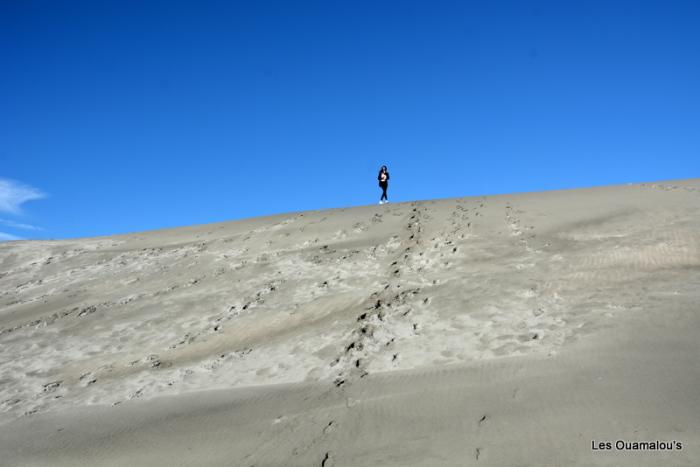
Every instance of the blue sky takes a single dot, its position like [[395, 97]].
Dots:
[[125, 116]]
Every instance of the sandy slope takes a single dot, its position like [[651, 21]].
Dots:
[[504, 330]]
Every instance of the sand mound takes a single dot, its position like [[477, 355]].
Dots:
[[503, 330]]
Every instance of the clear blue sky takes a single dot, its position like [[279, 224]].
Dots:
[[120, 116]]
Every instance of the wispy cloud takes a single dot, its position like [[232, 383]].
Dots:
[[18, 225], [6, 237], [13, 194]]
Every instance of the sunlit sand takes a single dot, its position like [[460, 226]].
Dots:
[[498, 330]]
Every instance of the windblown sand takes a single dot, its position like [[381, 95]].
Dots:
[[500, 330]]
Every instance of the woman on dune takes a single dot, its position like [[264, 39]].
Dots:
[[383, 178]]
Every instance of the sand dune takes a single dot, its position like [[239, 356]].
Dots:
[[500, 330]]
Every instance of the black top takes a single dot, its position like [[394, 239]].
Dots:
[[379, 177]]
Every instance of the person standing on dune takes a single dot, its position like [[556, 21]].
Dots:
[[383, 178]]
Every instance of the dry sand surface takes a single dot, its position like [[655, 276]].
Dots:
[[500, 330]]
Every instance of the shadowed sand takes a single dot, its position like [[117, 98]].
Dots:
[[500, 330]]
